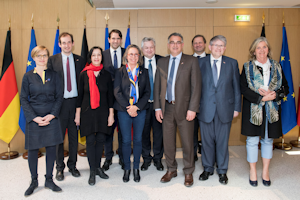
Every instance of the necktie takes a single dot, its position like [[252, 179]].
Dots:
[[215, 72], [150, 71], [69, 86], [115, 60], [198, 58], [170, 82]]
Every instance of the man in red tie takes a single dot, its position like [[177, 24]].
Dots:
[[68, 66]]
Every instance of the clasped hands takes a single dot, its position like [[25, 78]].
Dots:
[[267, 95], [132, 110], [44, 121]]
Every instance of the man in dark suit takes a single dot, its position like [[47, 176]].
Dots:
[[177, 92], [150, 60], [69, 66], [199, 45], [112, 60], [220, 103]]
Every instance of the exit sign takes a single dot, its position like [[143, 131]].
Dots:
[[242, 18]]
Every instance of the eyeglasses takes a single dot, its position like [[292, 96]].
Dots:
[[133, 55], [41, 56], [173, 43], [218, 46]]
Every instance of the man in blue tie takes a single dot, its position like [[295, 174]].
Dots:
[[112, 60], [150, 61], [220, 103], [177, 91]]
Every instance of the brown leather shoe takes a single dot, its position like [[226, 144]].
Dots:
[[168, 176], [188, 181]]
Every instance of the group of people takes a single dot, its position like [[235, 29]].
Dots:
[[136, 90]]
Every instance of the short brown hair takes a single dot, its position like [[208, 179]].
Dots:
[[64, 34], [125, 61], [115, 31], [38, 49]]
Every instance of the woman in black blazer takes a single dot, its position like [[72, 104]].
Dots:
[[41, 99], [94, 112], [132, 92]]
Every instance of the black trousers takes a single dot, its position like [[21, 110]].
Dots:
[[67, 116], [94, 149], [109, 153], [158, 149], [33, 161], [196, 129]]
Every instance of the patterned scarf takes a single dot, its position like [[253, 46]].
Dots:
[[255, 80], [94, 91], [133, 79]]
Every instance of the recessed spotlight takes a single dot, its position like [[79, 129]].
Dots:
[[211, 1]]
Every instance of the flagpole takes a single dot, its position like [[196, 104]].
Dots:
[[296, 143], [82, 152], [9, 154], [282, 145], [25, 155]]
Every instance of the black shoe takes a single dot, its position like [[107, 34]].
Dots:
[[121, 163], [100, 172], [223, 179], [92, 179], [49, 184], [195, 158], [266, 183], [145, 166], [106, 165], [253, 183], [136, 175], [126, 176], [205, 175], [74, 172], [33, 185], [59, 175], [159, 166]]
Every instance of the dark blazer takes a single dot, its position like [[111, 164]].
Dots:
[[225, 98], [55, 63], [107, 62], [249, 96], [91, 119], [122, 89], [187, 85]]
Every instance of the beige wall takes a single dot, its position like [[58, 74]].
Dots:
[[155, 23]]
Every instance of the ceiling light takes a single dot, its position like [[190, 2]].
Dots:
[[211, 1]]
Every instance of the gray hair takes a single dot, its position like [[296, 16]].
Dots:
[[218, 37], [147, 39], [253, 46], [175, 34]]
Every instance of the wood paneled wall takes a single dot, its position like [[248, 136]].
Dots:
[[155, 23]]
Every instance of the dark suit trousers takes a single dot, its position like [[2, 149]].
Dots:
[[186, 131], [157, 137], [66, 117], [108, 147], [214, 137], [196, 135]]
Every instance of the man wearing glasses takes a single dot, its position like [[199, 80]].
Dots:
[[220, 103], [177, 91]]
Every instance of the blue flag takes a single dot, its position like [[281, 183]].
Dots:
[[288, 108], [106, 39], [56, 48], [127, 41], [30, 65]]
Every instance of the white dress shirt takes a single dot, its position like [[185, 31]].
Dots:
[[201, 56], [153, 63], [119, 56], [218, 63], [73, 92]]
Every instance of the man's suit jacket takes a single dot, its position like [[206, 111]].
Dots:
[[55, 63], [187, 85], [108, 64], [122, 89], [157, 57], [225, 98]]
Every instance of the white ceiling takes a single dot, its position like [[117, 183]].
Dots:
[[178, 4]]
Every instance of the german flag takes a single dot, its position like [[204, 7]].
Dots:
[[9, 96]]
